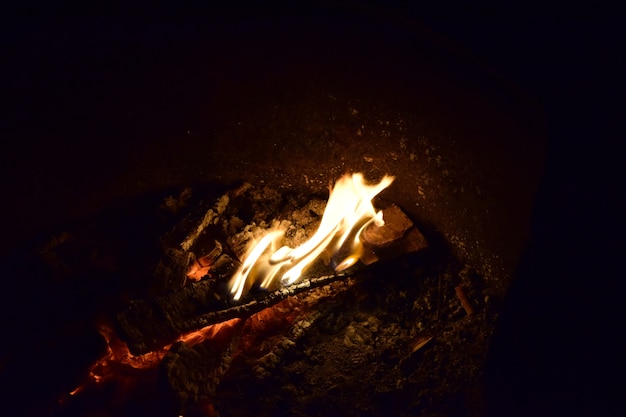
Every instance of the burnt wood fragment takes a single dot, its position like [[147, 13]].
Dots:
[[192, 240], [171, 271], [397, 236], [146, 325], [192, 373], [465, 302]]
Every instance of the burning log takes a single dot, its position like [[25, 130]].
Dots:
[[147, 325], [265, 301], [197, 370], [190, 247], [349, 224], [397, 236], [269, 362]]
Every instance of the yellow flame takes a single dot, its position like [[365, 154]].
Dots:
[[348, 212]]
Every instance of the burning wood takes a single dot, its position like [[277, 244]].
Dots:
[[147, 325], [200, 324], [194, 372], [151, 324], [396, 236], [342, 320], [190, 249], [201, 267], [358, 233], [203, 365]]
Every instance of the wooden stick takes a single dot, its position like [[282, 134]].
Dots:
[[150, 324], [421, 341], [147, 325], [465, 302], [260, 303]]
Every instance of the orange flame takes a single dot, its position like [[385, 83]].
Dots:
[[348, 212]]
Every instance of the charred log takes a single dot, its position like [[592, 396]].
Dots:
[[397, 236], [261, 302], [147, 325], [150, 324]]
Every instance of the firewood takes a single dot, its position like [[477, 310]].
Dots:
[[199, 368], [397, 236], [147, 325], [395, 226], [153, 323], [263, 302], [190, 244], [465, 302]]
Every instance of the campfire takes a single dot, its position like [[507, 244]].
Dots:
[[348, 213], [216, 280], [306, 300]]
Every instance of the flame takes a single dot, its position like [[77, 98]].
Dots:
[[348, 212]]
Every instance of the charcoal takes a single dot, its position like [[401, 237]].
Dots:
[[192, 373], [397, 236], [147, 325]]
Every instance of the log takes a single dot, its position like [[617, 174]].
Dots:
[[263, 302], [147, 325], [397, 236], [396, 225], [189, 241]]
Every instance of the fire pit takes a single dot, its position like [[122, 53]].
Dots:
[[400, 328]]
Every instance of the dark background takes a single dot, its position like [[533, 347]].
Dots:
[[559, 347]]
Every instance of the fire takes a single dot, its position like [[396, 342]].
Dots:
[[210, 332], [118, 363], [348, 212]]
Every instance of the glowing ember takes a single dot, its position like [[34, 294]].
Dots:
[[348, 212], [201, 267], [120, 366], [210, 332]]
